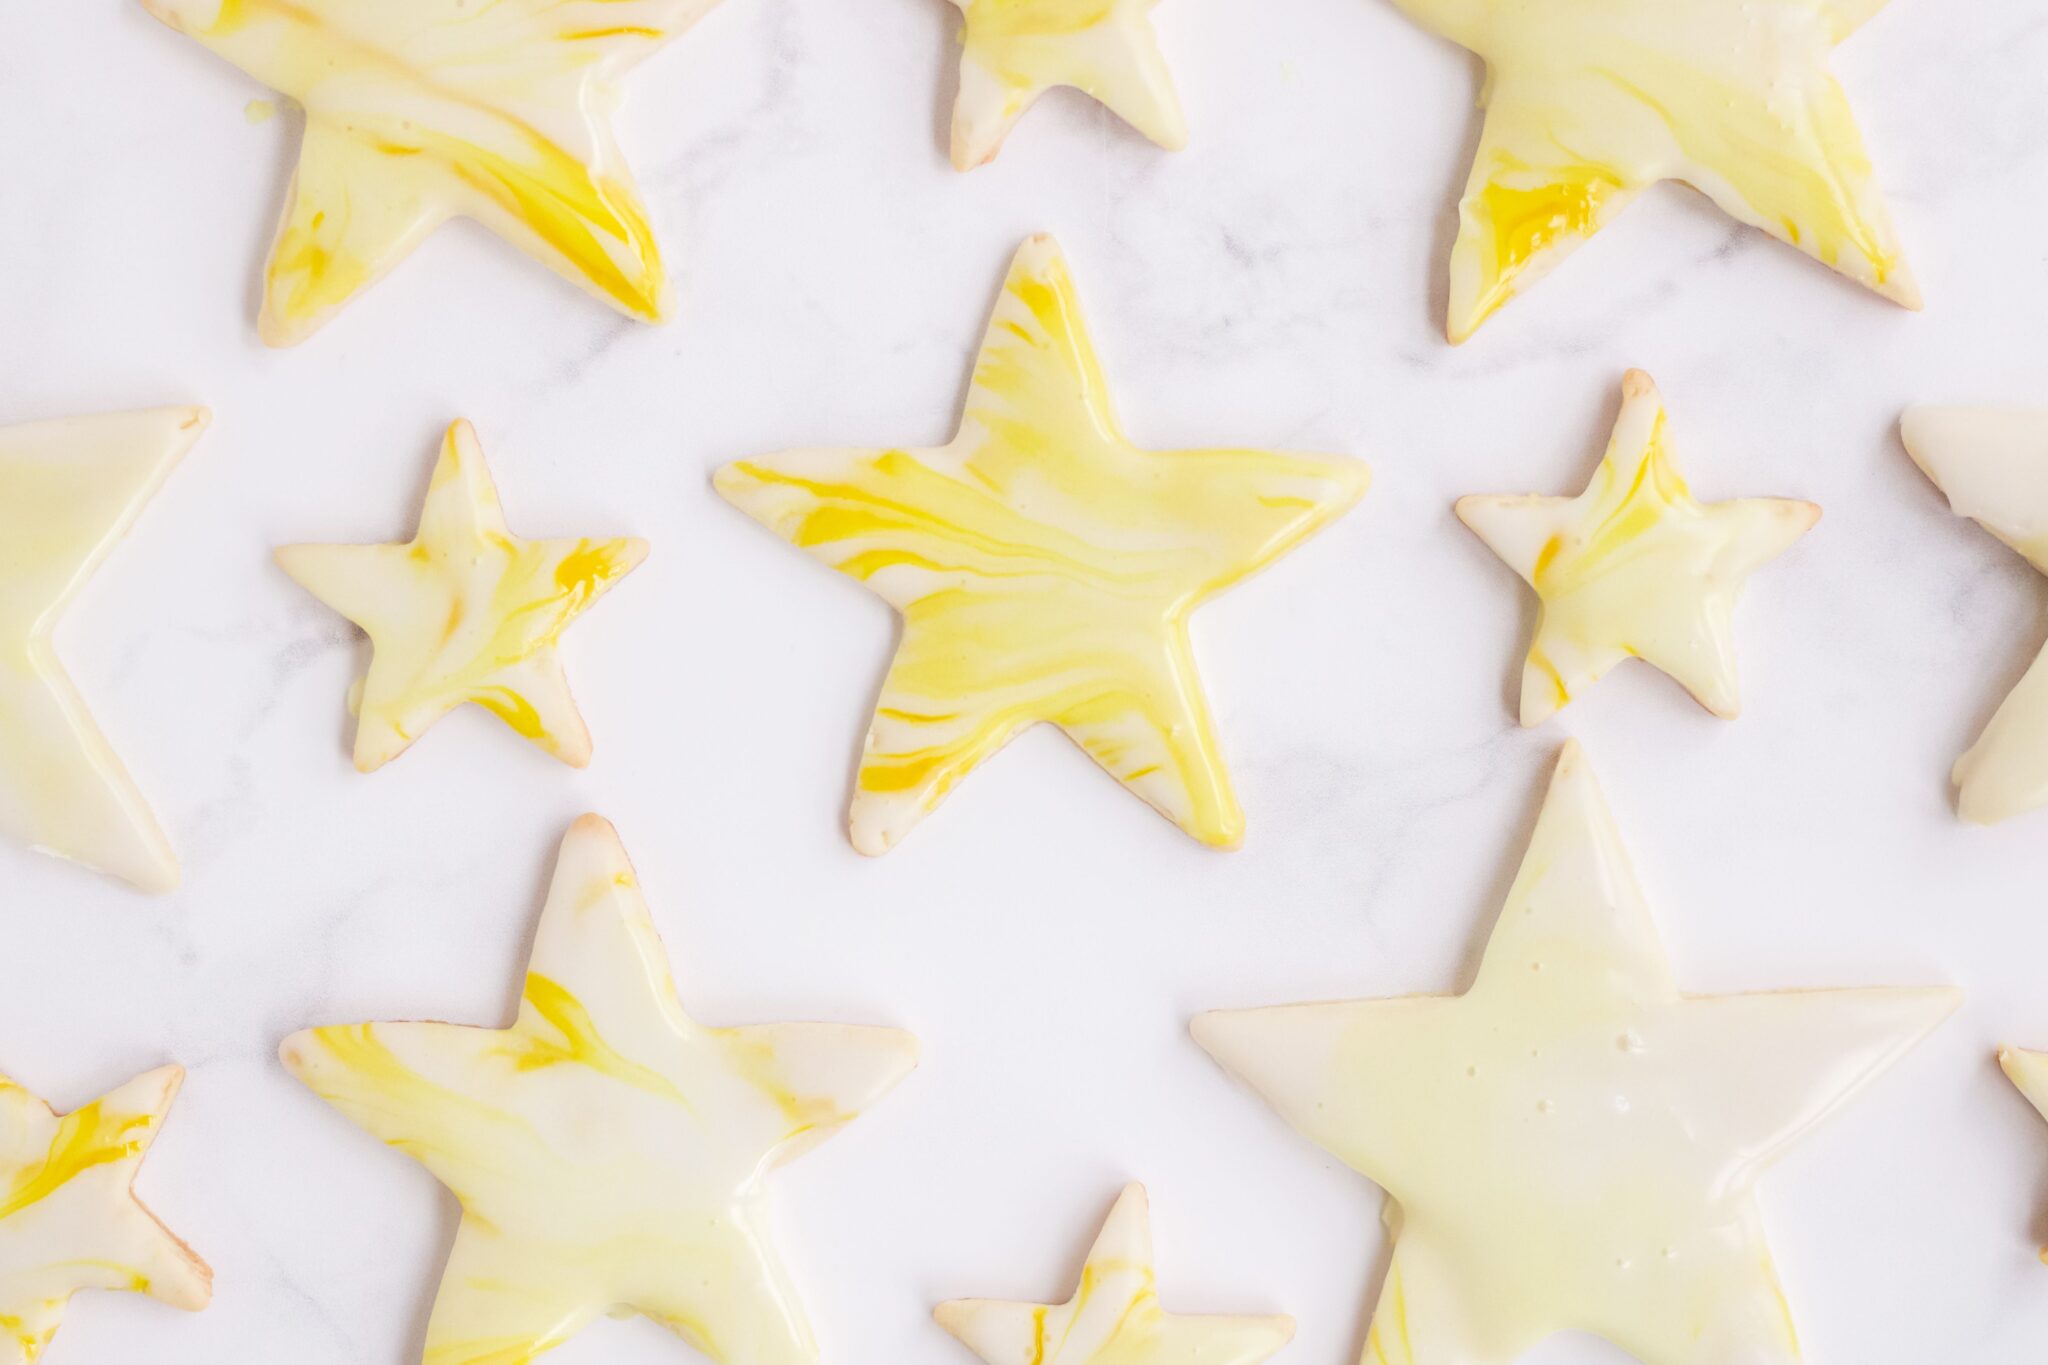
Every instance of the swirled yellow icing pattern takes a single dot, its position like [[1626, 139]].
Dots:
[[1114, 1317], [418, 111], [69, 490], [1634, 567], [69, 1218], [1572, 1143], [463, 612], [1992, 463], [608, 1151], [1589, 102], [1045, 569], [1013, 51]]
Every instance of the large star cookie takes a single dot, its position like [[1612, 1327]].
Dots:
[[463, 612], [69, 490], [1045, 569], [69, 1218], [1114, 1317], [1589, 102], [1013, 51], [1634, 567], [608, 1150], [1993, 466], [418, 111], [1572, 1143]]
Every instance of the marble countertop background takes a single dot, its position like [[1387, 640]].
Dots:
[[1046, 936]]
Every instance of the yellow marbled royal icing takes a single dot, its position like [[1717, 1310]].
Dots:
[[418, 111], [1992, 463], [1045, 569], [608, 1151], [1588, 102], [1013, 51], [1634, 567], [1114, 1317], [69, 1218], [69, 490], [1572, 1143], [464, 612]]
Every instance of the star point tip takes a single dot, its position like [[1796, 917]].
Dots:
[[1638, 384]]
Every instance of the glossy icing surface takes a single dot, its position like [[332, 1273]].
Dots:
[[418, 111], [1588, 102], [463, 612], [69, 490], [69, 1218], [1013, 51], [1992, 464], [1114, 1317], [1045, 569], [608, 1151], [1572, 1143], [1635, 566]]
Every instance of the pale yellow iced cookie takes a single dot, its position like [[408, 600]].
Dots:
[[463, 612], [1635, 567], [1572, 1143], [1045, 569], [69, 490], [69, 1218], [2029, 1072], [1013, 51], [1114, 1317], [418, 111], [1992, 463], [1589, 102], [608, 1150]]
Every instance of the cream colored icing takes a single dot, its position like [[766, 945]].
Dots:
[[418, 111], [1572, 1143], [1045, 569], [1013, 51], [2029, 1072], [1114, 1317], [69, 490], [69, 1218], [1588, 102], [608, 1151], [1992, 464], [1634, 567], [464, 612]]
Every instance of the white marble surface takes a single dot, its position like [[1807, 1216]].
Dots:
[[1045, 935]]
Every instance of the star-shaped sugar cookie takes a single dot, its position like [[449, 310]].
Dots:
[[1589, 102], [1634, 567], [1114, 1317], [608, 1150], [1992, 463], [69, 490], [1045, 569], [2028, 1071], [418, 111], [1572, 1143], [1013, 51], [463, 612], [69, 1218]]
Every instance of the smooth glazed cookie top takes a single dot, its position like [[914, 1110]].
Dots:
[[418, 111], [1572, 1142], [1045, 569], [607, 1149], [1635, 567], [69, 490], [464, 612]]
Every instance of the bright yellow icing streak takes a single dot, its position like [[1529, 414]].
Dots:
[[1634, 567], [606, 1150], [421, 111], [1115, 1317], [1572, 1144], [464, 612], [1045, 569]]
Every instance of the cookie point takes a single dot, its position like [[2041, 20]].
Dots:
[[1638, 384]]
